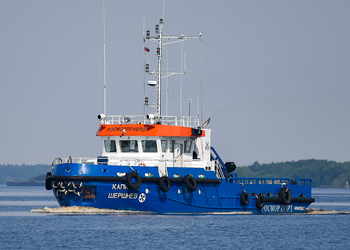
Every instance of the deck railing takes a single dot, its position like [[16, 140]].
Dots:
[[187, 121], [86, 160], [271, 181]]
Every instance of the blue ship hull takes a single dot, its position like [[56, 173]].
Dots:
[[99, 186]]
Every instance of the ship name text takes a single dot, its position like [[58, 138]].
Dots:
[[122, 196], [119, 187], [278, 209]]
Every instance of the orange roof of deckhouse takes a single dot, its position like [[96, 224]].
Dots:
[[146, 130]]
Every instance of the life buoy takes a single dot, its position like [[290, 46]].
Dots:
[[142, 164], [190, 183], [164, 183], [244, 198], [48, 183], [133, 180], [260, 202], [285, 195]]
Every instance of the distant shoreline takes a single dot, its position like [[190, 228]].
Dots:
[[25, 183]]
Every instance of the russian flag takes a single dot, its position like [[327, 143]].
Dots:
[[146, 49]]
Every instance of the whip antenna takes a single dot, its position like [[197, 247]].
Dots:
[[104, 60]]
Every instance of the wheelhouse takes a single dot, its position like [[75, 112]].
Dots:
[[158, 145]]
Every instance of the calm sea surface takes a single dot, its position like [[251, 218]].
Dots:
[[21, 229]]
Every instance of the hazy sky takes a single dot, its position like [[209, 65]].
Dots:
[[275, 75]]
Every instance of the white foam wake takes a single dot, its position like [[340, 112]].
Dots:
[[83, 210], [321, 211], [92, 210]]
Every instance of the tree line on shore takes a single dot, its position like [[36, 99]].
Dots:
[[322, 172], [23, 172]]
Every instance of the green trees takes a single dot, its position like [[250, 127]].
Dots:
[[21, 173], [322, 172]]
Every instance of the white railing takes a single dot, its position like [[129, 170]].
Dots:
[[187, 121], [85, 160], [218, 165]]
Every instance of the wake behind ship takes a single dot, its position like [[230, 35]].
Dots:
[[166, 164]]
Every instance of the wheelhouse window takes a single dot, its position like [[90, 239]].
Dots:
[[171, 146], [110, 146], [188, 146], [129, 146], [149, 146], [164, 145]]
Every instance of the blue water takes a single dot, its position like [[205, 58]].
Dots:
[[20, 229]]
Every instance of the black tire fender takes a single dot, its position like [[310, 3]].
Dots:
[[244, 198], [129, 180], [285, 195], [260, 202], [164, 183], [48, 183], [190, 183]]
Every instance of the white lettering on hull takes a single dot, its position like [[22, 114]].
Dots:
[[278, 209], [133, 196], [119, 187], [122, 196]]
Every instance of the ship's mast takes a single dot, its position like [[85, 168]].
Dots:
[[159, 54], [158, 39]]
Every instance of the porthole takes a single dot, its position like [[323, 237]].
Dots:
[[200, 191], [147, 190], [179, 191]]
